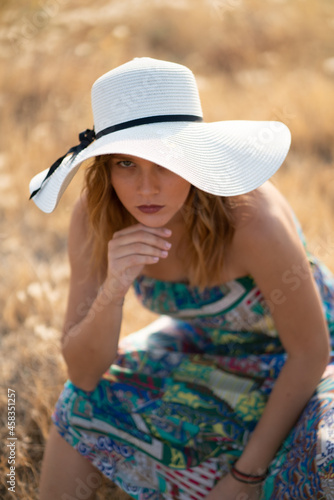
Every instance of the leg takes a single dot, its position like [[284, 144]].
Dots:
[[66, 475], [303, 468], [165, 333], [147, 349]]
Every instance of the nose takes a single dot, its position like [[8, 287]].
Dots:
[[148, 183]]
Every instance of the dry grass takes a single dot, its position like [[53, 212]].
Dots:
[[254, 59]]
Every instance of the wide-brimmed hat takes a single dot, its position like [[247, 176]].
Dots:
[[151, 109]]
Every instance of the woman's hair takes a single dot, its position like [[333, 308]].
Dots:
[[208, 219]]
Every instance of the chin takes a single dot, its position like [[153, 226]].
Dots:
[[153, 221]]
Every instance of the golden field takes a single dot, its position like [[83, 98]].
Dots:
[[253, 59]]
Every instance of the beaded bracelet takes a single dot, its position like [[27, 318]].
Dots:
[[247, 478]]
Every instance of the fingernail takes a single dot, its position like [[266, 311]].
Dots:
[[168, 231], [164, 254], [167, 245]]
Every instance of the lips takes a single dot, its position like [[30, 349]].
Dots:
[[150, 209]]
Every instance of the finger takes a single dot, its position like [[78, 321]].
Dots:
[[136, 260], [159, 231], [137, 248], [140, 236]]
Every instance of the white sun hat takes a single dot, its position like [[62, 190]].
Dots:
[[151, 109]]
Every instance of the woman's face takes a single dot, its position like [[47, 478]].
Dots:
[[151, 194]]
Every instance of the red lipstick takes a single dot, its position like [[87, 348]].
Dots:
[[150, 209]]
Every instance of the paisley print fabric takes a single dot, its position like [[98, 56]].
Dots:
[[184, 394]]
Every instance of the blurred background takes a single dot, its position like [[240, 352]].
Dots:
[[253, 59]]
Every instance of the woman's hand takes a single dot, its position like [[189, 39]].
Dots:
[[229, 488], [129, 251]]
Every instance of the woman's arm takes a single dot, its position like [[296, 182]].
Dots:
[[88, 324], [94, 314], [271, 251]]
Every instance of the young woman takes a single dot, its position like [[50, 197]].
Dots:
[[230, 394]]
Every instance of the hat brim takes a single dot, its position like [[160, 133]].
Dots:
[[222, 158]]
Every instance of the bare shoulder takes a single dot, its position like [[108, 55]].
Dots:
[[80, 248], [262, 212], [79, 229], [265, 228], [83, 284], [268, 246]]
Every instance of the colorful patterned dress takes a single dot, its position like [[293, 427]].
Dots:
[[175, 410]]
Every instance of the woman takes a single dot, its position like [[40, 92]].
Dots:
[[229, 395]]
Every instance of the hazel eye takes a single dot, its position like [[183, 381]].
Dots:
[[126, 163]]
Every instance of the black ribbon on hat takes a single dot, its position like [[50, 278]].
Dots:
[[147, 120], [85, 138], [88, 136]]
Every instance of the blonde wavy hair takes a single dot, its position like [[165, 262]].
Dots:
[[208, 218]]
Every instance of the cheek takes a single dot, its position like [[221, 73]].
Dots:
[[119, 185], [181, 193]]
